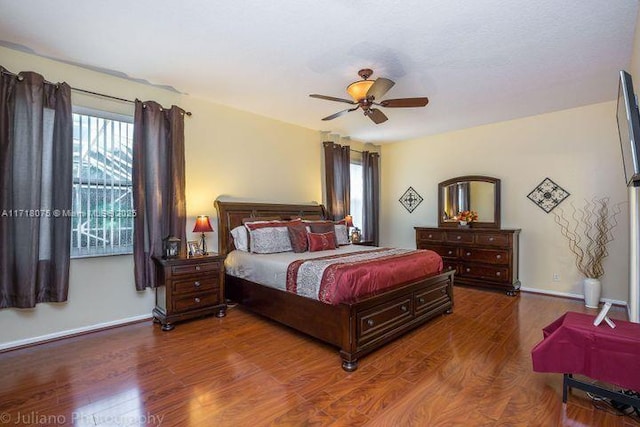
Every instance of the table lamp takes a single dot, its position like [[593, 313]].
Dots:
[[203, 226]]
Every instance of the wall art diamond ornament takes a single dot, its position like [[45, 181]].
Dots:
[[410, 199], [547, 195]]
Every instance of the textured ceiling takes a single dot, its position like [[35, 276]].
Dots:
[[478, 61]]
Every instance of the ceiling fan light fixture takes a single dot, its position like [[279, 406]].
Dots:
[[358, 90]]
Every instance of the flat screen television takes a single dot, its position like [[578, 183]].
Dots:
[[629, 129]]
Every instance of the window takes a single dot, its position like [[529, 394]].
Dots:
[[356, 176], [102, 220]]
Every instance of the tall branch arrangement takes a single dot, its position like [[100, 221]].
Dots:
[[588, 231]]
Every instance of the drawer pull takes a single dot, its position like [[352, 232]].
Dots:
[[468, 253], [196, 284], [196, 299], [450, 252], [443, 291], [491, 239], [468, 270], [450, 267], [498, 256], [370, 322], [498, 273], [403, 307], [421, 300], [430, 236], [459, 237], [197, 268]]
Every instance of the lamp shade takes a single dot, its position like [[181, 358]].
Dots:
[[358, 90], [202, 224], [348, 220]]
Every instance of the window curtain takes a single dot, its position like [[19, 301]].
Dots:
[[36, 158], [158, 185], [337, 165], [371, 196]]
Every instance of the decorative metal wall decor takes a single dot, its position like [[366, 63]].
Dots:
[[410, 199], [547, 195]]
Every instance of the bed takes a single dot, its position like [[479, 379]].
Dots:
[[357, 327]]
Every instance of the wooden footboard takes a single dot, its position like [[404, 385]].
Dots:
[[357, 328]]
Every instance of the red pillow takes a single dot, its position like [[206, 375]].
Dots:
[[321, 241], [324, 227], [298, 237]]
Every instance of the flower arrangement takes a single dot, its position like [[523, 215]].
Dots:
[[467, 216]]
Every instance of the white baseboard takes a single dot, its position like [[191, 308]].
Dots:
[[570, 295], [72, 332]]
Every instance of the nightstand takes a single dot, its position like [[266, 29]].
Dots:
[[188, 288]]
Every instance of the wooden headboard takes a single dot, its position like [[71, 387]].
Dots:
[[231, 214]]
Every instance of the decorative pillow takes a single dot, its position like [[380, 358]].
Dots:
[[324, 227], [342, 233], [321, 241], [267, 237], [298, 237], [240, 239]]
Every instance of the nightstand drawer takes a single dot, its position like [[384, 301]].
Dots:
[[200, 267], [195, 301], [196, 284]]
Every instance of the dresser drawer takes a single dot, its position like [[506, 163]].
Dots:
[[444, 251], [430, 235], [375, 322], [459, 237], [493, 239], [495, 274], [200, 267], [449, 266], [431, 299], [489, 256], [208, 283], [195, 301]]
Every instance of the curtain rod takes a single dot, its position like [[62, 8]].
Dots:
[[103, 95], [351, 149]]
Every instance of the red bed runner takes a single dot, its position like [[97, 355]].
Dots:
[[345, 277]]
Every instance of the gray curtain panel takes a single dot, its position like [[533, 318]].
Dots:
[[158, 185], [36, 157], [371, 196], [337, 165]]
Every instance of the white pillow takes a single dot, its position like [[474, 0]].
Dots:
[[240, 239], [269, 240], [342, 234]]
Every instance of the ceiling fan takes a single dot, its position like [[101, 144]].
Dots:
[[367, 93]]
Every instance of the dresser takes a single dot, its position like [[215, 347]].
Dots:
[[188, 288], [480, 257]]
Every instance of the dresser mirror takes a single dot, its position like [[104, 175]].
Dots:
[[474, 193]]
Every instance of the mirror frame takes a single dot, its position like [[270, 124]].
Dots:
[[496, 202]]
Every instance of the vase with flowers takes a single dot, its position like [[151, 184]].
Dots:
[[465, 218]]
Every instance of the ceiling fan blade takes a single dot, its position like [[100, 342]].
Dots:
[[340, 113], [331, 98], [376, 116], [405, 102], [379, 88]]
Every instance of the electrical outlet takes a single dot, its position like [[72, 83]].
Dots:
[[556, 277]]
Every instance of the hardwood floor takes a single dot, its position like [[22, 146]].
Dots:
[[470, 368]]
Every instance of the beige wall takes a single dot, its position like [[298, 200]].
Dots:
[[228, 152], [577, 148]]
